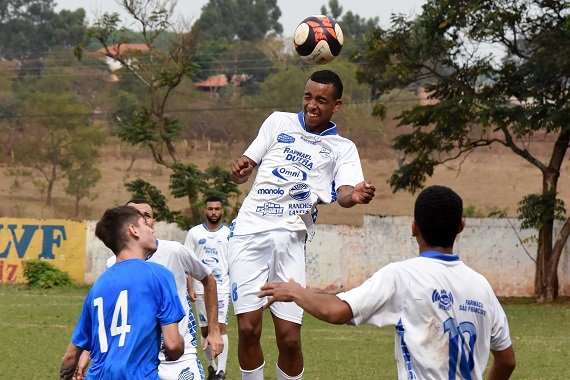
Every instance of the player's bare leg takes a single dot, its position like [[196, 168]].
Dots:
[[250, 354], [288, 336]]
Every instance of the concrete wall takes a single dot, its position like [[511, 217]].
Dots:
[[341, 257]]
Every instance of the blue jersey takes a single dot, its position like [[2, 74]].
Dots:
[[121, 319]]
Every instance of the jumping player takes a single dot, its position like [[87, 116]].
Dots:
[[302, 161], [446, 315]]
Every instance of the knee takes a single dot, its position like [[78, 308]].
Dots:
[[289, 342], [249, 330]]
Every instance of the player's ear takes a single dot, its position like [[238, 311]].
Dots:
[[461, 226], [415, 229], [337, 105]]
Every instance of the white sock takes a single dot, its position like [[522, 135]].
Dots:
[[208, 354], [283, 376], [254, 374], [223, 356]]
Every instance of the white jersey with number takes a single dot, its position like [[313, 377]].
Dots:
[[296, 170], [446, 315], [181, 263], [211, 248]]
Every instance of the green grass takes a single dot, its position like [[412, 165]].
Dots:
[[36, 325]]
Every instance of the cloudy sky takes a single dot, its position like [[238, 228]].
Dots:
[[293, 11]]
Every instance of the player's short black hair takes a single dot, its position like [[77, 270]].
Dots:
[[328, 77], [438, 212], [138, 201], [214, 198], [112, 226]]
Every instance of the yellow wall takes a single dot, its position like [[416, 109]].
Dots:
[[60, 242]]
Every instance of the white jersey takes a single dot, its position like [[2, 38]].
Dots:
[[446, 315], [211, 248], [181, 263], [296, 170]]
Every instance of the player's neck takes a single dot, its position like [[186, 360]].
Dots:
[[132, 253], [213, 227]]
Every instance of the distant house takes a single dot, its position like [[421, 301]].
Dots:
[[113, 51], [215, 82]]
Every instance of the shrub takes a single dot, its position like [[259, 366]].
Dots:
[[42, 274]]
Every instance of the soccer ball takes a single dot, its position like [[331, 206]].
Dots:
[[318, 39]]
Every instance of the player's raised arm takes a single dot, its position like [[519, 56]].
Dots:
[[326, 307], [349, 196], [241, 169]]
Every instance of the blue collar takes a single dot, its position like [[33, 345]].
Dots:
[[439, 256], [217, 229], [330, 131]]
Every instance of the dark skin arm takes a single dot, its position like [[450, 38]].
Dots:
[[326, 307], [214, 338], [503, 364], [69, 362], [362, 193], [241, 169]]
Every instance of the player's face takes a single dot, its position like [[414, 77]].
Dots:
[[214, 212], [146, 210], [319, 104], [146, 234]]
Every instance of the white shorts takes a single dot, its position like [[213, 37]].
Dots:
[[223, 309], [187, 367], [269, 256]]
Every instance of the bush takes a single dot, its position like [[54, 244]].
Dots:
[[42, 274]]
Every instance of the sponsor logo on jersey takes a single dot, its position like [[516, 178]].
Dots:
[[299, 208], [313, 141], [473, 306], [202, 241], [288, 174], [210, 261], [274, 191], [270, 208], [298, 157], [300, 191], [285, 138], [443, 297], [325, 152]]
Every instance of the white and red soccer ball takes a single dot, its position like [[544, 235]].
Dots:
[[318, 39]]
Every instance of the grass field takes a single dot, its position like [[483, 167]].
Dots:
[[36, 325]]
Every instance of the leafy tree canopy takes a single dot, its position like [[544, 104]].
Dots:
[[497, 72], [31, 28]]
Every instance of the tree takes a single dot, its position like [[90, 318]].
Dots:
[[160, 70], [243, 20], [47, 141], [32, 28], [497, 72], [80, 165]]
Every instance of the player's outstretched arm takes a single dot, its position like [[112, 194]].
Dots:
[[69, 362], [241, 169], [362, 193], [172, 342], [326, 307], [214, 338], [503, 364]]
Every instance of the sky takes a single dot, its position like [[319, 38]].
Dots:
[[292, 11]]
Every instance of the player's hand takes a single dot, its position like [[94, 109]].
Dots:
[[241, 169], [279, 292], [192, 295], [82, 366], [214, 340], [363, 192]]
